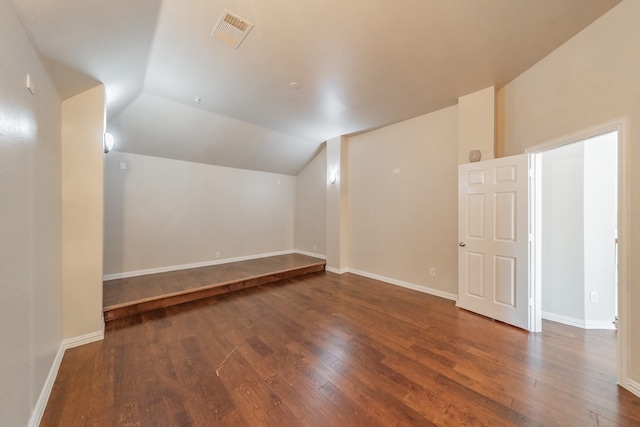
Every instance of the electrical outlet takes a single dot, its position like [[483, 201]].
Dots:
[[432, 271], [594, 297], [217, 254]]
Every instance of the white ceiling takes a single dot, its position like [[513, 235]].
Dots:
[[362, 64]]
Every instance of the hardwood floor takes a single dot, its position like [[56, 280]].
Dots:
[[330, 350], [133, 295]]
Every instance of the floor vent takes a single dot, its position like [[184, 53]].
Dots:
[[231, 28]]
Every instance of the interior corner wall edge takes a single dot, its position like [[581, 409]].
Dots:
[[590, 80], [311, 207], [403, 203], [30, 232], [162, 212]]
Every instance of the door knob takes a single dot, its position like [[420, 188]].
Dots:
[[462, 244]]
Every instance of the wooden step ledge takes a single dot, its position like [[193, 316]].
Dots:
[[131, 308]]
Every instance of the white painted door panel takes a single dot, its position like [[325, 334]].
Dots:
[[493, 239]]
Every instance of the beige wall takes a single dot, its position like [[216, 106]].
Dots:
[[82, 212], [337, 205], [30, 239], [476, 124], [591, 79], [401, 224], [311, 206], [162, 213]]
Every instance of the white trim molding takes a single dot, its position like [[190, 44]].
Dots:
[[600, 324], [578, 323], [336, 271], [633, 387], [311, 254], [565, 320], [166, 269], [412, 286], [84, 339], [41, 404]]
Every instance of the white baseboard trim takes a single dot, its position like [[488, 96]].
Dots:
[[565, 320], [145, 272], [336, 270], [599, 324], [407, 285], [41, 404], [84, 339], [578, 323], [311, 254], [633, 387]]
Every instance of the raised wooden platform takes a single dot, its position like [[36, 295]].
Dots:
[[129, 296]]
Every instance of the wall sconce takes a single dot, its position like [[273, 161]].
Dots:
[[108, 142], [333, 177]]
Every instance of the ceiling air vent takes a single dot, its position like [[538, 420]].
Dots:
[[231, 28]]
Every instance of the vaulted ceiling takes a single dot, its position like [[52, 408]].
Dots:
[[361, 64]]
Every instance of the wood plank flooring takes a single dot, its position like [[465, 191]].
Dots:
[[128, 296], [330, 350]]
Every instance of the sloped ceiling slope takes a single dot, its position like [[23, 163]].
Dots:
[[361, 64], [83, 43]]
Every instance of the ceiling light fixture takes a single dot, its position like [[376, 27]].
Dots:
[[197, 100], [295, 85]]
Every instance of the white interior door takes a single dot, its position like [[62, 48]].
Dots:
[[493, 222]]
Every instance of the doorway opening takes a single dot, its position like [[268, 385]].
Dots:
[[579, 224]]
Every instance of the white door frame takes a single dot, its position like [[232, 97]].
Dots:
[[621, 126]]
